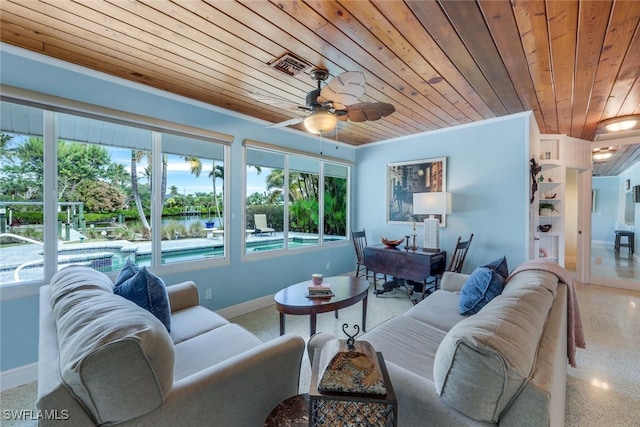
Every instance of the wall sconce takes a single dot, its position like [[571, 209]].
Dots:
[[617, 124], [433, 203]]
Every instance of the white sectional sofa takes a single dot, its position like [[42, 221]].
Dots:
[[103, 360], [505, 365]]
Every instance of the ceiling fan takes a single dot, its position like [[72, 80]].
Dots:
[[335, 101]]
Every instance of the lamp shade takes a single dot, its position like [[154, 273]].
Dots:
[[320, 121], [434, 203]]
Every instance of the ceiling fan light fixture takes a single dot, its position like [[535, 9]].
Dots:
[[320, 122], [602, 154], [617, 124]]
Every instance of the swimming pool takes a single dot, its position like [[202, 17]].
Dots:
[[111, 256]]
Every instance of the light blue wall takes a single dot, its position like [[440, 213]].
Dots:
[[606, 213], [232, 284], [487, 174]]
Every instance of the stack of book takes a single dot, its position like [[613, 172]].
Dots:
[[321, 291]]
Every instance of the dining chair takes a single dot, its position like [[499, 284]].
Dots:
[[359, 239], [455, 265], [459, 254]]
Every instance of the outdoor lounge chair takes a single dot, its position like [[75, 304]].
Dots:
[[261, 224]]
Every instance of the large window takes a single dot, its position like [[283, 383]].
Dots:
[[336, 178], [304, 199], [104, 192], [194, 197], [115, 182], [265, 180], [21, 194]]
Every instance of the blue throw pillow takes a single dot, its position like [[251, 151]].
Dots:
[[149, 292], [127, 272], [500, 266], [482, 286]]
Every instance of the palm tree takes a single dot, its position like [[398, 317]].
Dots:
[[275, 185], [195, 165], [136, 156], [117, 175], [217, 172]]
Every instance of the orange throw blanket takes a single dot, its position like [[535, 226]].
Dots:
[[575, 334]]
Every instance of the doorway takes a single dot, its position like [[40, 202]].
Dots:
[[614, 209]]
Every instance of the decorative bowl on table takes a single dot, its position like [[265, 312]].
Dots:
[[391, 243]]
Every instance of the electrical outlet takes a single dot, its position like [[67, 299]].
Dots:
[[208, 293], [328, 266]]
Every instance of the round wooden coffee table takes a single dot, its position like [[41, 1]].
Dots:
[[347, 291]]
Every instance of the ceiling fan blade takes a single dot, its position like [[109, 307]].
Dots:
[[368, 111], [275, 101], [343, 90], [289, 122]]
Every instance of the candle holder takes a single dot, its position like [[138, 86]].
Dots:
[[407, 245]]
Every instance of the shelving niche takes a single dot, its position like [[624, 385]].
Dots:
[[551, 185]]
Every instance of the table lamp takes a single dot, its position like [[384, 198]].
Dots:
[[433, 203]]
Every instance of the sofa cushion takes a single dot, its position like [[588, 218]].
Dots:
[[192, 356], [193, 321], [483, 361], [115, 357], [126, 272], [499, 266], [438, 310], [149, 292], [482, 286], [407, 342]]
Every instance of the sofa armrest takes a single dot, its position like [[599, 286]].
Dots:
[[183, 295], [452, 282], [240, 391]]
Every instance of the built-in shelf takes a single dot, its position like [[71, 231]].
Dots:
[[551, 179]]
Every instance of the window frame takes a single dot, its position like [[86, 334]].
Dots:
[[51, 106], [322, 160]]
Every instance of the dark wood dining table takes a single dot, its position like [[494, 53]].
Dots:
[[405, 264]]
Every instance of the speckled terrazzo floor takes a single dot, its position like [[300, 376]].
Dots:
[[604, 389]]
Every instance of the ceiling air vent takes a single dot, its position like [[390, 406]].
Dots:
[[289, 64]]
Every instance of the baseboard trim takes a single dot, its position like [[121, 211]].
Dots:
[[246, 307], [18, 376], [614, 283]]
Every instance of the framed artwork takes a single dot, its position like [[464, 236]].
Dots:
[[416, 176]]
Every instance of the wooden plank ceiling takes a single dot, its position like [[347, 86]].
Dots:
[[622, 158], [440, 63]]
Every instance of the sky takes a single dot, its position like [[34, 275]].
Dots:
[[179, 174]]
